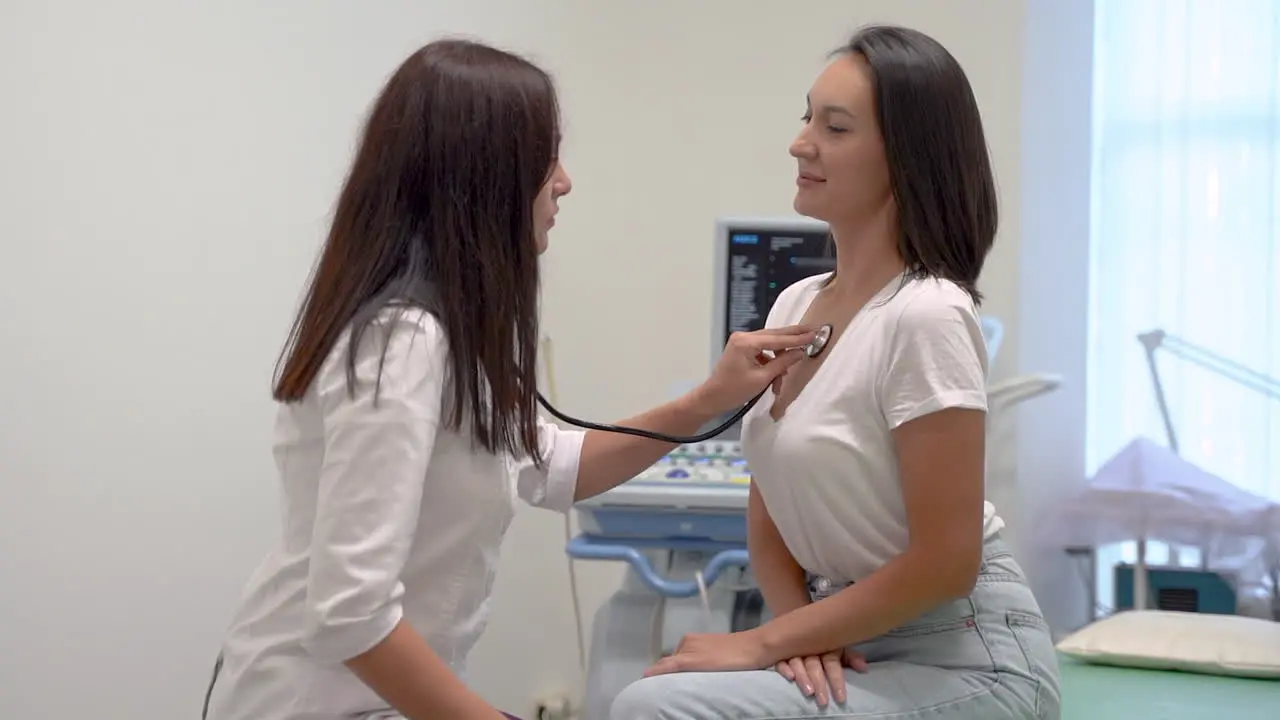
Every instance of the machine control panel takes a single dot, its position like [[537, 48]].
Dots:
[[706, 477], [716, 462]]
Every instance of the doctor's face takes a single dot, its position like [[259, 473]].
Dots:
[[842, 175], [546, 205]]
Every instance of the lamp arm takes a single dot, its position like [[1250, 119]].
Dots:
[[1224, 367], [1150, 342]]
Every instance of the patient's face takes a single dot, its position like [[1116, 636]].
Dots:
[[842, 175]]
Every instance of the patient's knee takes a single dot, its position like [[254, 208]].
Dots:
[[638, 701], [662, 697]]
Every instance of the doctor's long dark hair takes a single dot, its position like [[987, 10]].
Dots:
[[440, 196]]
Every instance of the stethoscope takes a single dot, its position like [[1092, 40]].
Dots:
[[812, 349]]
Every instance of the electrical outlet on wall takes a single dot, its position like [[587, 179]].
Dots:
[[553, 706]]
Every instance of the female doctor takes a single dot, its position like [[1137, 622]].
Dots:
[[407, 421]]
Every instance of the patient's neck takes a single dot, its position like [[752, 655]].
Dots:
[[867, 256]]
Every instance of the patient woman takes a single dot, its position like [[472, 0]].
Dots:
[[893, 594]]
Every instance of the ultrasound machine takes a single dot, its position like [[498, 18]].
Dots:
[[681, 524]]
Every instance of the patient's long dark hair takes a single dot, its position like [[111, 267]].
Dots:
[[939, 165], [440, 196]]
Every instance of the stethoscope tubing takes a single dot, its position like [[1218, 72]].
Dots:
[[812, 350]]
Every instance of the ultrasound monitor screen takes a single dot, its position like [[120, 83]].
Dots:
[[761, 263]]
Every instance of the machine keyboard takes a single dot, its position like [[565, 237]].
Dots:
[[714, 462]]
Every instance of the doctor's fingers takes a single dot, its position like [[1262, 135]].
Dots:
[[774, 340], [777, 366], [788, 330]]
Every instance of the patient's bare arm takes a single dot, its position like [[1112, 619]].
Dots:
[[782, 581]]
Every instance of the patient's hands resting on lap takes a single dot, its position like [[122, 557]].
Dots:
[[822, 677]]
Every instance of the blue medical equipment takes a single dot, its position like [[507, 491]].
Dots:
[[681, 527], [1177, 589]]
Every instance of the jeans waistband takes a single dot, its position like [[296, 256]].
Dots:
[[821, 587]]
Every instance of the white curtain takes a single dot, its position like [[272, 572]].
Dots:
[[1186, 234]]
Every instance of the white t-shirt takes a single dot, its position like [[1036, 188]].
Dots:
[[387, 515], [828, 471]]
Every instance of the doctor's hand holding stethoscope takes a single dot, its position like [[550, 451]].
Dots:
[[751, 363]]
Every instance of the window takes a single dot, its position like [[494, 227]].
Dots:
[[1186, 235]]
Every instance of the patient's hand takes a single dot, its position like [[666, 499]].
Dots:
[[822, 677], [711, 652]]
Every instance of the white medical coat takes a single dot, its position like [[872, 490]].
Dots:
[[387, 515]]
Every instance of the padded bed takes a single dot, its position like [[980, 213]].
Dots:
[[1098, 692]]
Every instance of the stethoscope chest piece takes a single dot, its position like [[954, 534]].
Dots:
[[819, 342]]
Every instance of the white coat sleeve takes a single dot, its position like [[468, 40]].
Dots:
[[371, 482], [553, 486]]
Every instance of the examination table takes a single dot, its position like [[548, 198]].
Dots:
[[1099, 692]]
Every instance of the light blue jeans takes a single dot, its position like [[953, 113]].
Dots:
[[987, 657]]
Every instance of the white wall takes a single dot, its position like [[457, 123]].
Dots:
[[166, 170]]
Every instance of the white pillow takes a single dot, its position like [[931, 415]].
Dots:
[[1194, 642]]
